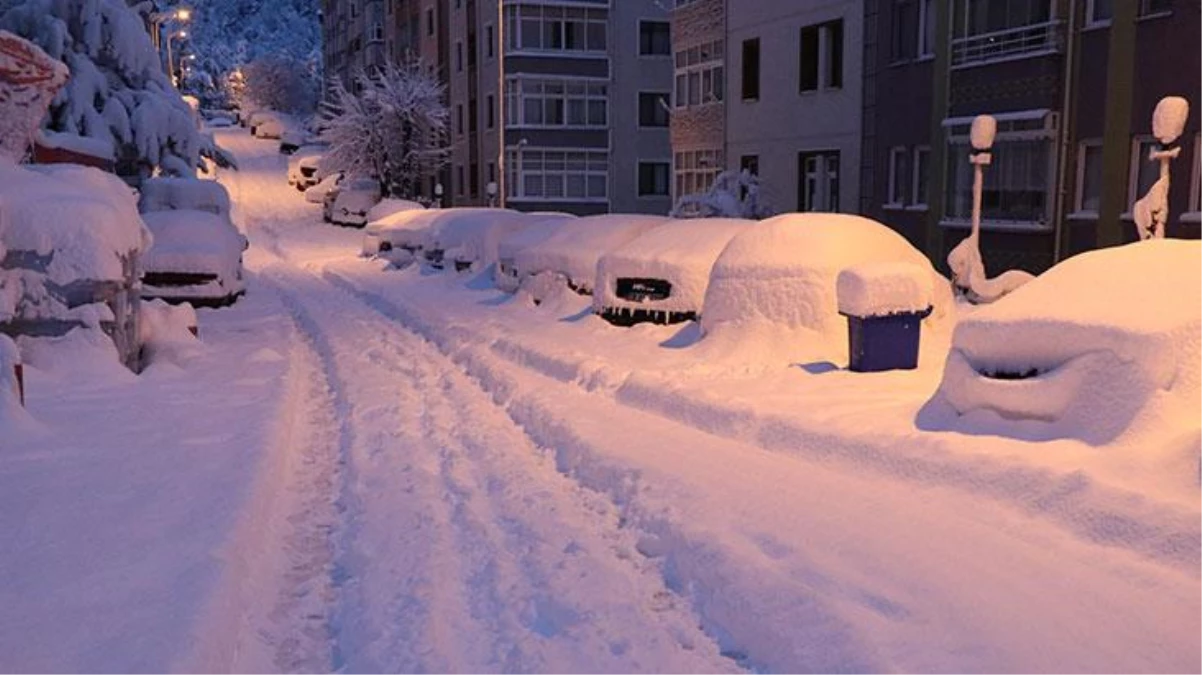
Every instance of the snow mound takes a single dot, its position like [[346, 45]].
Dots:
[[10, 356], [680, 252], [166, 194], [85, 220], [92, 147], [778, 281], [1086, 348], [390, 206], [166, 333], [881, 289], [575, 247]]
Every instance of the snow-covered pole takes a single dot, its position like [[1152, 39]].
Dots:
[[1151, 212], [984, 129]]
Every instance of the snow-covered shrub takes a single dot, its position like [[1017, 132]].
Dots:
[[279, 83], [166, 333], [117, 91], [734, 194], [393, 129]]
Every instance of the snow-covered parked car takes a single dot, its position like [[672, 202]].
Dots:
[[383, 215], [776, 282], [197, 252], [572, 251], [292, 140], [317, 193], [468, 237], [662, 276], [349, 201], [1086, 349], [304, 167], [398, 237], [268, 124], [540, 226], [70, 246]]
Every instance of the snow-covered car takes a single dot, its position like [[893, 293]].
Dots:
[[1086, 349], [539, 227], [383, 215], [291, 140], [466, 237], [304, 167], [662, 276], [197, 252], [399, 236], [572, 251], [775, 283], [350, 200], [317, 193], [268, 124]]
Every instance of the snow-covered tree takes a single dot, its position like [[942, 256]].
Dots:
[[734, 194], [277, 83], [394, 129], [117, 92]]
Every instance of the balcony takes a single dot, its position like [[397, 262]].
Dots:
[[1007, 45]]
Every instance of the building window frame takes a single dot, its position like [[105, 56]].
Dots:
[[1193, 210], [1138, 160], [658, 101], [829, 57], [528, 28], [818, 180], [694, 170], [749, 69], [896, 187], [527, 167], [652, 41], [523, 91], [920, 192], [700, 75], [666, 166], [1079, 207]]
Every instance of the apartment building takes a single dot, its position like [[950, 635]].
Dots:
[[556, 105], [1072, 84], [771, 87]]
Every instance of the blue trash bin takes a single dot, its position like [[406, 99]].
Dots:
[[887, 342]]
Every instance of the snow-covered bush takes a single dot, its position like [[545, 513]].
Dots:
[[393, 129], [117, 91], [279, 83], [734, 194]]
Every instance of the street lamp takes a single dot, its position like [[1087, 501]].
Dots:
[[170, 62], [157, 19], [438, 195]]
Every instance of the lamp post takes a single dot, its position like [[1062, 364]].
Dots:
[[438, 195], [1151, 212], [984, 129], [157, 19], [170, 62]]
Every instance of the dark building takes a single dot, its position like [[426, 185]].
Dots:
[[1072, 84]]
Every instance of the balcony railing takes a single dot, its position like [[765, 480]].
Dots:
[[1004, 45]]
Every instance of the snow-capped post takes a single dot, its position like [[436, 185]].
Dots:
[[968, 269], [1151, 212]]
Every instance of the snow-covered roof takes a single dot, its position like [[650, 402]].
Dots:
[[782, 272], [163, 194], [87, 218], [680, 252], [576, 245]]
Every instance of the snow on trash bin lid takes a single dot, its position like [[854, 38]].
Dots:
[[881, 289]]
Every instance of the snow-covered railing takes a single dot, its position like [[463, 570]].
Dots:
[[1040, 38]]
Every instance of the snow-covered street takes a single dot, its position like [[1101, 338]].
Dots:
[[364, 469]]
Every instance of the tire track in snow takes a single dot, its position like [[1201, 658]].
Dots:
[[471, 551]]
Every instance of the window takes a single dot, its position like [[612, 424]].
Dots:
[[490, 113], [926, 28], [474, 179], [820, 51], [459, 57], [653, 179], [1019, 181], [750, 164], [556, 28], [695, 170], [1098, 11], [1194, 211], [652, 109], [1089, 176], [903, 20], [488, 41], [1144, 172], [655, 38], [538, 102], [986, 30], [459, 118], [555, 175], [818, 177], [377, 31], [921, 176], [897, 178], [430, 22], [751, 69], [700, 75], [460, 188]]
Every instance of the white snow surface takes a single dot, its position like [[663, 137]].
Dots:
[[678, 251], [390, 206], [881, 289], [774, 289], [364, 469], [164, 194], [1102, 353], [473, 234], [576, 246], [86, 218], [317, 193], [92, 147]]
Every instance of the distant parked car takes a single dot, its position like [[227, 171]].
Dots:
[[572, 251], [778, 277], [662, 276], [317, 193], [1087, 349], [304, 167], [350, 200], [269, 125], [398, 236], [196, 256]]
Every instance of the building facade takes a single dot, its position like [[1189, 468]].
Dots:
[[774, 88], [556, 105], [1072, 84]]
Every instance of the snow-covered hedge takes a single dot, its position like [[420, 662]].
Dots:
[[117, 92]]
